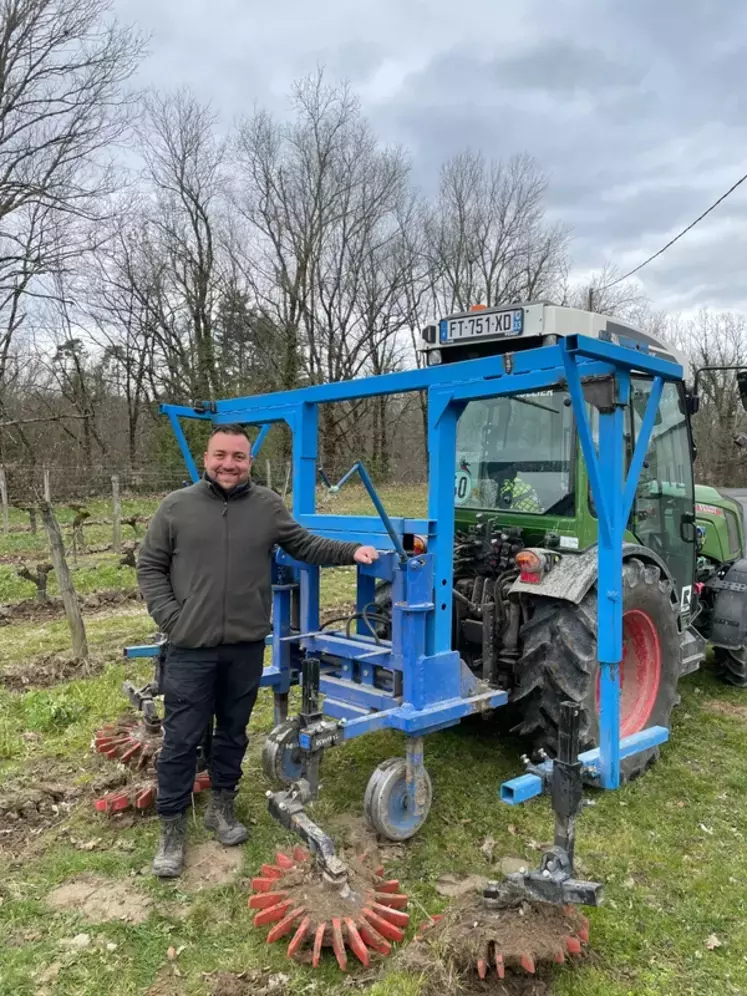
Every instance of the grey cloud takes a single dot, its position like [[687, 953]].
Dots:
[[636, 110]]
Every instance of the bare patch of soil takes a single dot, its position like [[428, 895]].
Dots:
[[166, 983], [228, 984], [726, 709], [210, 864], [100, 900], [250, 983], [356, 836]]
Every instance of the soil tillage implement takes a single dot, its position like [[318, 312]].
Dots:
[[531, 919], [133, 742], [313, 898]]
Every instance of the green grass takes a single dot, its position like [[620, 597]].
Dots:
[[670, 848], [669, 883]]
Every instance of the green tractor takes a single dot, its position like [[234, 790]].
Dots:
[[525, 556]]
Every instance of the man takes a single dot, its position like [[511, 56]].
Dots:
[[204, 570]]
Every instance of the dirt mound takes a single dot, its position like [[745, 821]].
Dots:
[[30, 609], [51, 669], [28, 809], [473, 939], [100, 900]]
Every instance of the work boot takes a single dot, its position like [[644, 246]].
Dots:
[[219, 816], [170, 854]]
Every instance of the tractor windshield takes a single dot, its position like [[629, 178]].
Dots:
[[515, 454]]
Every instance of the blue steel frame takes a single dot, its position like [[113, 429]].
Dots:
[[416, 682]]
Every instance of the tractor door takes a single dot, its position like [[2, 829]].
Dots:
[[663, 514]]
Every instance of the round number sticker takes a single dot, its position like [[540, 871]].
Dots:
[[462, 487]]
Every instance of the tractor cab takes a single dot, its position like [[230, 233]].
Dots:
[[519, 460]]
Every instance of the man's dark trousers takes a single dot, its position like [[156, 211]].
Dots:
[[199, 684]]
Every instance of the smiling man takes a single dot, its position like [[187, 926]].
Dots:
[[204, 570]]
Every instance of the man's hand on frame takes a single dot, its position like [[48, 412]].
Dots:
[[366, 555]]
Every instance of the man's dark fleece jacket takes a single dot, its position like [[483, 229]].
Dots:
[[204, 567]]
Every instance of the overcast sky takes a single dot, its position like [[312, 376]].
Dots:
[[637, 109]]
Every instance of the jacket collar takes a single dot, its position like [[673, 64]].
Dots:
[[221, 492]]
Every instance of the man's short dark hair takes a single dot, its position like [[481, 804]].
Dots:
[[233, 429]]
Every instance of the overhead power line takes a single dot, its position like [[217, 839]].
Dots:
[[677, 237]]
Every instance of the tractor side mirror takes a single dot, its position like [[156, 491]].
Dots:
[[742, 385]]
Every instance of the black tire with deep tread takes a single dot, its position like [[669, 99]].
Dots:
[[732, 666], [559, 663]]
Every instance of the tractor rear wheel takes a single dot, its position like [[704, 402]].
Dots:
[[559, 663], [732, 666]]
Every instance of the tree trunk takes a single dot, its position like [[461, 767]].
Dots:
[[116, 516], [38, 578], [65, 582]]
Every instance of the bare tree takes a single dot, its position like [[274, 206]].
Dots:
[[716, 339], [326, 210], [63, 67], [185, 163], [490, 243], [122, 312]]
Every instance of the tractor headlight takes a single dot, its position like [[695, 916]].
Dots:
[[434, 357]]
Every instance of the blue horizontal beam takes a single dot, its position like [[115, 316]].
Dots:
[[420, 721], [348, 649], [383, 568], [622, 356], [541, 367], [367, 523], [145, 650], [355, 694], [518, 790], [343, 710], [654, 736], [271, 676]]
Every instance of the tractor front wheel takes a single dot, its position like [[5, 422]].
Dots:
[[559, 663], [732, 666]]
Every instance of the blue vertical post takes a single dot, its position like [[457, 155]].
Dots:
[[305, 425], [443, 415], [605, 470], [610, 584]]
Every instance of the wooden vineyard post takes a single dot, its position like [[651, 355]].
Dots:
[[116, 515], [4, 499], [65, 582]]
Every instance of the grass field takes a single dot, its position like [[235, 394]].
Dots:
[[669, 849]]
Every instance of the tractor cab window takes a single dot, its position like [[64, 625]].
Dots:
[[516, 454], [664, 500]]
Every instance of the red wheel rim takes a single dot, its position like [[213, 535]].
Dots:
[[640, 672]]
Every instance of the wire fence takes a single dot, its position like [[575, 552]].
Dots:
[[25, 484]]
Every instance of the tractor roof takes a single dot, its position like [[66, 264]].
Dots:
[[508, 328]]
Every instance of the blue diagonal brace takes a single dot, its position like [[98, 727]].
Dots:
[[261, 436], [641, 446], [184, 446], [587, 445]]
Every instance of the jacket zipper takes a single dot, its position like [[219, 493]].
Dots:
[[225, 568]]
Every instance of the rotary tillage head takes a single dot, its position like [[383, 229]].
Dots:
[[531, 917], [134, 742], [313, 896]]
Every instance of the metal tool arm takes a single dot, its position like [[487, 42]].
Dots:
[[554, 881]]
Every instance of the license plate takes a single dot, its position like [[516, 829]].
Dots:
[[486, 324]]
